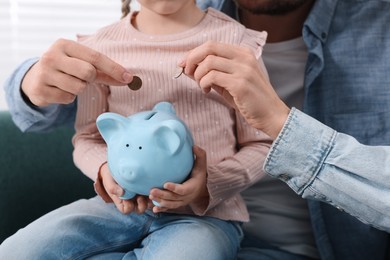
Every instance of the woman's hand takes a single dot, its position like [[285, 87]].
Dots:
[[236, 74], [64, 70]]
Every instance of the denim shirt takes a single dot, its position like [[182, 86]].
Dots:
[[34, 119], [347, 88], [320, 163]]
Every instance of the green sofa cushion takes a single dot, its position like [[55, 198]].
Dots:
[[37, 175]]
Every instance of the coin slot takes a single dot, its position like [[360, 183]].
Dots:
[[148, 117]]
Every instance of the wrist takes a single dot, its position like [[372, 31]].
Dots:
[[278, 122], [273, 123], [26, 99], [28, 77]]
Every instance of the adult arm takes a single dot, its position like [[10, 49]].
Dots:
[[29, 117], [314, 160], [41, 92], [319, 163]]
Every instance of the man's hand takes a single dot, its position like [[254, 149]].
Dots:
[[192, 192], [113, 192], [236, 74], [64, 70]]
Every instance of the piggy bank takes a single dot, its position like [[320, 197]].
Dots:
[[147, 149]]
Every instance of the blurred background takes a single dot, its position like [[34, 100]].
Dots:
[[29, 27]]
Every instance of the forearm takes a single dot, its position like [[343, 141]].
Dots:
[[89, 155], [319, 163], [90, 150], [28, 117], [239, 171], [236, 174]]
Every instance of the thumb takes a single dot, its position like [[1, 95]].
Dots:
[[200, 164]]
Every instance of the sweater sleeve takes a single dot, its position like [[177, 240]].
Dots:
[[90, 150], [238, 172]]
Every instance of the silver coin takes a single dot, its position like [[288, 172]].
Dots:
[[178, 72], [136, 84]]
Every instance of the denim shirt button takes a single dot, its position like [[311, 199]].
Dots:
[[339, 208]]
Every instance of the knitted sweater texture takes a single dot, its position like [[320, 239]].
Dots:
[[235, 150]]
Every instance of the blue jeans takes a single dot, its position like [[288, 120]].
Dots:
[[94, 229]]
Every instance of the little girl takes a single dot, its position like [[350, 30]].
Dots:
[[150, 43]]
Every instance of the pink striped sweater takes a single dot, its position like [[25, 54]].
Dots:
[[235, 151]]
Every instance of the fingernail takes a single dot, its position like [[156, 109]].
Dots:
[[127, 77]]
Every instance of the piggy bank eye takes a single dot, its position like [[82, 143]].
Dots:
[[140, 147], [127, 145]]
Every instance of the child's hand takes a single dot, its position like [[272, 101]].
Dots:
[[112, 192], [191, 192]]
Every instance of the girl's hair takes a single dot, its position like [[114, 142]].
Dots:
[[125, 7]]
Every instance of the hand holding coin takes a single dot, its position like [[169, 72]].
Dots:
[[178, 72]]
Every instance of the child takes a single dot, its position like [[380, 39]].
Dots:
[[150, 43]]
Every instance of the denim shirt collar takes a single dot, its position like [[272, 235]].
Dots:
[[319, 20], [315, 34]]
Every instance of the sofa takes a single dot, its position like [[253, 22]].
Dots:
[[37, 175]]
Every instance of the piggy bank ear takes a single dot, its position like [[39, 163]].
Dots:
[[165, 106], [110, 124], [170, 136]]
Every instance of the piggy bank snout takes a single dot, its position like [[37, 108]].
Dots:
[[128, 172]]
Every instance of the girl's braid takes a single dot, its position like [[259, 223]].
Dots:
[[125, 7]]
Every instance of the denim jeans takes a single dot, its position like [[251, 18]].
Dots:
[[94, 229]]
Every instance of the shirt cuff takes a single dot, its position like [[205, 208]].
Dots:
[[13, 85], [299, 151]]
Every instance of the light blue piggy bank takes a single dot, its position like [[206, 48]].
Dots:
[[147, 149]]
